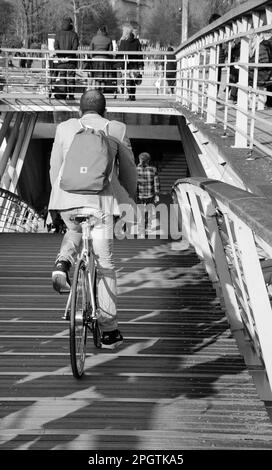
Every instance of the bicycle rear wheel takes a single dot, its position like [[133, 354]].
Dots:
[[95, 326], [78, 319]]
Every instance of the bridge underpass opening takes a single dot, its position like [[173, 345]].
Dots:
[[155, 134]]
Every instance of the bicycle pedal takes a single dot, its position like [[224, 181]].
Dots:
[[66, 316]]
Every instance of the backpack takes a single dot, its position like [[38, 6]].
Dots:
[[88, 164]]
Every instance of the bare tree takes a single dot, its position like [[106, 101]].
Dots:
[[6, 21], [222, 6], [77, 7], [201, 11], [164, 24], [34, 19], [29, 14]]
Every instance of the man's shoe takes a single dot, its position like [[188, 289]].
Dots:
[[60, 277], [111, 339]]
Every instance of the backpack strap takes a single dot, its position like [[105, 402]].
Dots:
[[105, 130]]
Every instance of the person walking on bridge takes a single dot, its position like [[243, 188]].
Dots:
[[148, 187], [121, 189]]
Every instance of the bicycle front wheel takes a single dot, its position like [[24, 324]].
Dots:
[[78, 319]]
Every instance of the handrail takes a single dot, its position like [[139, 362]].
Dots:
[[16, 215], [231, 230]]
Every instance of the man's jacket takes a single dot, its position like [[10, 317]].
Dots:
[[66, 39]]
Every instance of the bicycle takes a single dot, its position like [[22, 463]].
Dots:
[[81, 306]]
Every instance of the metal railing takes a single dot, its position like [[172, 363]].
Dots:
[[42, 73], [16, 215], [224, 74], [231, 230]]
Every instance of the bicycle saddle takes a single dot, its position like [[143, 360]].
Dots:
[[84, 218]]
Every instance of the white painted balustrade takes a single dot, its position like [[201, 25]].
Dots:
[[231, 231]]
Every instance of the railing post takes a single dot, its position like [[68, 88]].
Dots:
[[268, 14], [47, 74], [6, 71], [125, 74], [164, 75], [226, 110], [178, 81], [195, 87], [203, 245], [10, 217], [185, 82], [185, 213], [21, 216], [242, 97], [203, 82], [254, 97], [257, 292], [222, 268], [212, 87], [5, 203]]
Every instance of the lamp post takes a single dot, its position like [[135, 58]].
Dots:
[[138, 12], [184, 20]]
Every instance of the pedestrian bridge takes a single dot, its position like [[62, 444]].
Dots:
[[195, 370]]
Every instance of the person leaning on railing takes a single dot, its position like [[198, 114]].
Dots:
[[129, 42], [67, 40], [101, 42], [264, 79]]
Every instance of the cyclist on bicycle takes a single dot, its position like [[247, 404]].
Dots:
[[104, 206]]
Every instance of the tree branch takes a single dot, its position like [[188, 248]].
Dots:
[[88, 5]]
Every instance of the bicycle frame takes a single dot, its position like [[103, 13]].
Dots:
[[86, 254]]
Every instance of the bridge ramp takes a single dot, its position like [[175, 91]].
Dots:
[[177, 382]]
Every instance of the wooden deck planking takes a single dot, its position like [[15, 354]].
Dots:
[[177, 382]]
